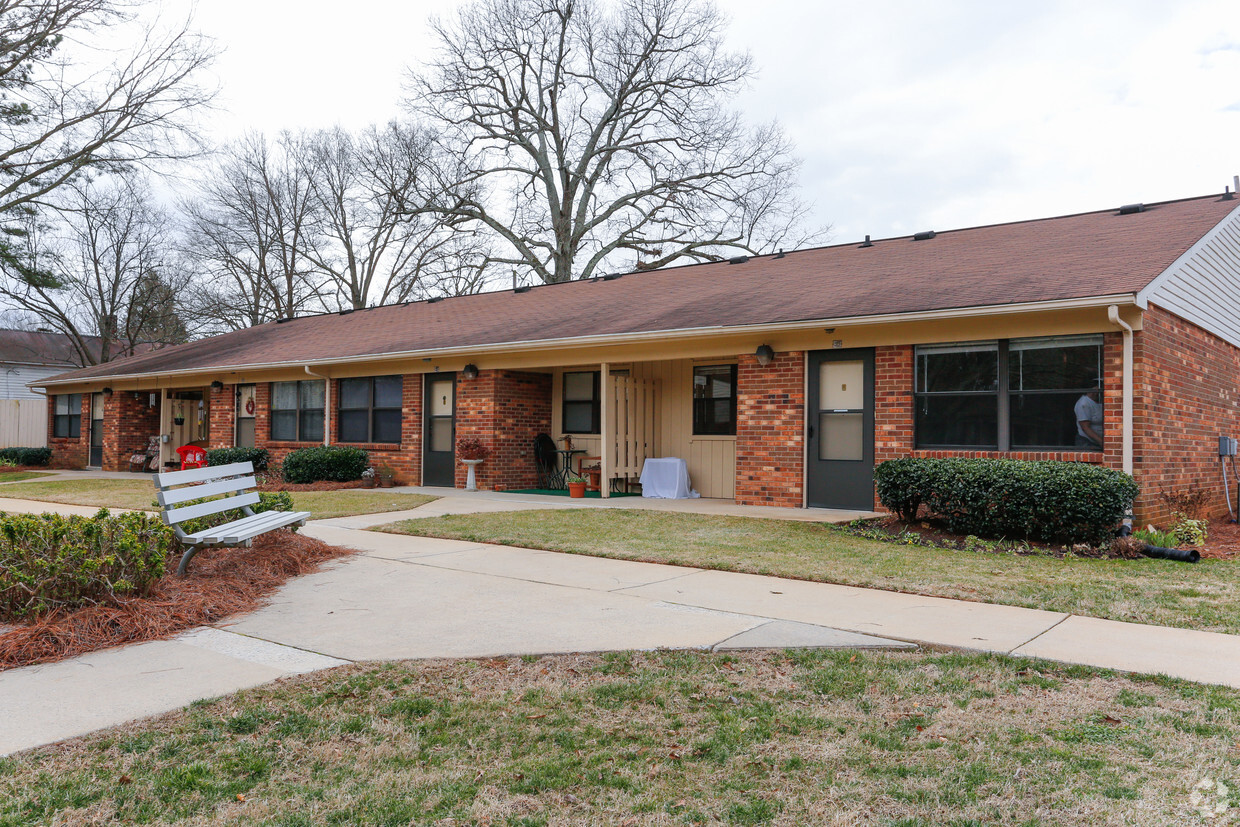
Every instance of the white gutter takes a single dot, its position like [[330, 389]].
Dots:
[[643, 336], [1126, 427], [327, 404]]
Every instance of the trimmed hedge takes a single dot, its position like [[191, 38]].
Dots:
[[51, 561], [226, 456], [27, 456], [334, 463], [1048, 500]]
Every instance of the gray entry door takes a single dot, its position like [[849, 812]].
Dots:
[[841, 429], [95, 460], [439, 433]]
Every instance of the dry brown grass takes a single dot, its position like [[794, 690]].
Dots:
[[664, 738], [221, 582]]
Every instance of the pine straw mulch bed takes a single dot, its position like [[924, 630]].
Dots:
[[1222, 541], [221, 582]]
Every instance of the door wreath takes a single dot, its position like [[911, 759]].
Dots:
[[249, 406]]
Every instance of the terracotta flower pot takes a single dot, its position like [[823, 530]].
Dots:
[[576, 489], [386, 482], [368, 482]]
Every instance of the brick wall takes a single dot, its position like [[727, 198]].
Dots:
[[405, 458], [1186, 395], [893, 412], [69, 452], [770, 430], [504, 410], [128, 425], [222, 413]]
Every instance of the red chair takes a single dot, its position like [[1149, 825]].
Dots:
[[192, 457]]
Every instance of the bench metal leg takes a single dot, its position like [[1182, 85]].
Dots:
[[185, 558]]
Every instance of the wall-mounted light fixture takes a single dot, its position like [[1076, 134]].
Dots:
[[217, 385], [107, 391], [764, 354], [470, 371]]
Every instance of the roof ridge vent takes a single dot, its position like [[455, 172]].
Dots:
[[434, 299], [611, 276], [284, 319], [866, 243], [926, 236], [346, 311], [1130, 209], [738, 259], [525, 288]]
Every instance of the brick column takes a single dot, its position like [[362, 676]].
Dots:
[[770, 430], [504, 410], [222, 412], [128, 424]]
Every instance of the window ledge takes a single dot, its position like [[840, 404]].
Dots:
[[1063, 455], [374, 446]]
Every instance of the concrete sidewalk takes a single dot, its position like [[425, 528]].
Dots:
[[408, 597]]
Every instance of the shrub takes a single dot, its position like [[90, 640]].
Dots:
[[1043, 500], [1189, 532], [226, 456], [336, 463], [51, 561], [26, 456]]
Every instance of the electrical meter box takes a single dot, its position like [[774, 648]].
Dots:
[[1226, 446]]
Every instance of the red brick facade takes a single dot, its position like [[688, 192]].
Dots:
[[69, 452], [770, 430], [129, 421], [504, 410], [222, 413], [1186, 396]]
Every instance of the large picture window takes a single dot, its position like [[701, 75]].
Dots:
[[1005, 395], [581, 403], [370, 409], [714, 400], [297, 411], [68, 417]]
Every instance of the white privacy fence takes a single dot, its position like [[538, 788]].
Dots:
[[23, 423]]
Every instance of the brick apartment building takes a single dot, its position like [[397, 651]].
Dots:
[[781, 380]]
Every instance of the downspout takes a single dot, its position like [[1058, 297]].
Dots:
[[327, 404], [1126, 427]]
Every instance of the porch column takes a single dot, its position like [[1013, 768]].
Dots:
[[609, 441]]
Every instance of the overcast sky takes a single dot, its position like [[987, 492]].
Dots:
[[908, 116]]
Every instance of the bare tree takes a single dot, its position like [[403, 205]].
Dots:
[[581, 135], [247, 234], [105, 255]]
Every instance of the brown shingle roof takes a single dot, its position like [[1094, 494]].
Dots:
[[1076, 256]]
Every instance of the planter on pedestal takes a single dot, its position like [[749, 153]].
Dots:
[[471, 481]]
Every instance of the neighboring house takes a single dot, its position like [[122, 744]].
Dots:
[[26, 358], [780, 379]]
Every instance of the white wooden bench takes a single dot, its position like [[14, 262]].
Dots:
[[234, 482]]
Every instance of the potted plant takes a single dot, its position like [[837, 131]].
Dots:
[[576, 483], [368, 478], [386, 475], [472, 452]]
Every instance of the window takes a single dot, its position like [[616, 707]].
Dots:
[[297, 411], [68, 417], [1005, 395], [370, 409], [714, 399], [581, 403]]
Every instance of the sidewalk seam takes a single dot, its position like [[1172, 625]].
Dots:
[[1038, 635]]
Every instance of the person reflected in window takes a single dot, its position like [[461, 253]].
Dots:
[[1089, 421]]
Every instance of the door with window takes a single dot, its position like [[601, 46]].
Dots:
[[245, 417], [439, 433], [96, 431], [840, 429]]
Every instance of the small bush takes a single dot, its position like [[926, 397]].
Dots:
[[226, 456], [50, 561], [26, 456], [1044, 500], [1189, 532], [334, 463]]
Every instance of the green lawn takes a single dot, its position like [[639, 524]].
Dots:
[[664, 738], [140, 494], [1201, 596], [18, 476]]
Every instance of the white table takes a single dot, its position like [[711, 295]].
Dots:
[[666, 478]]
